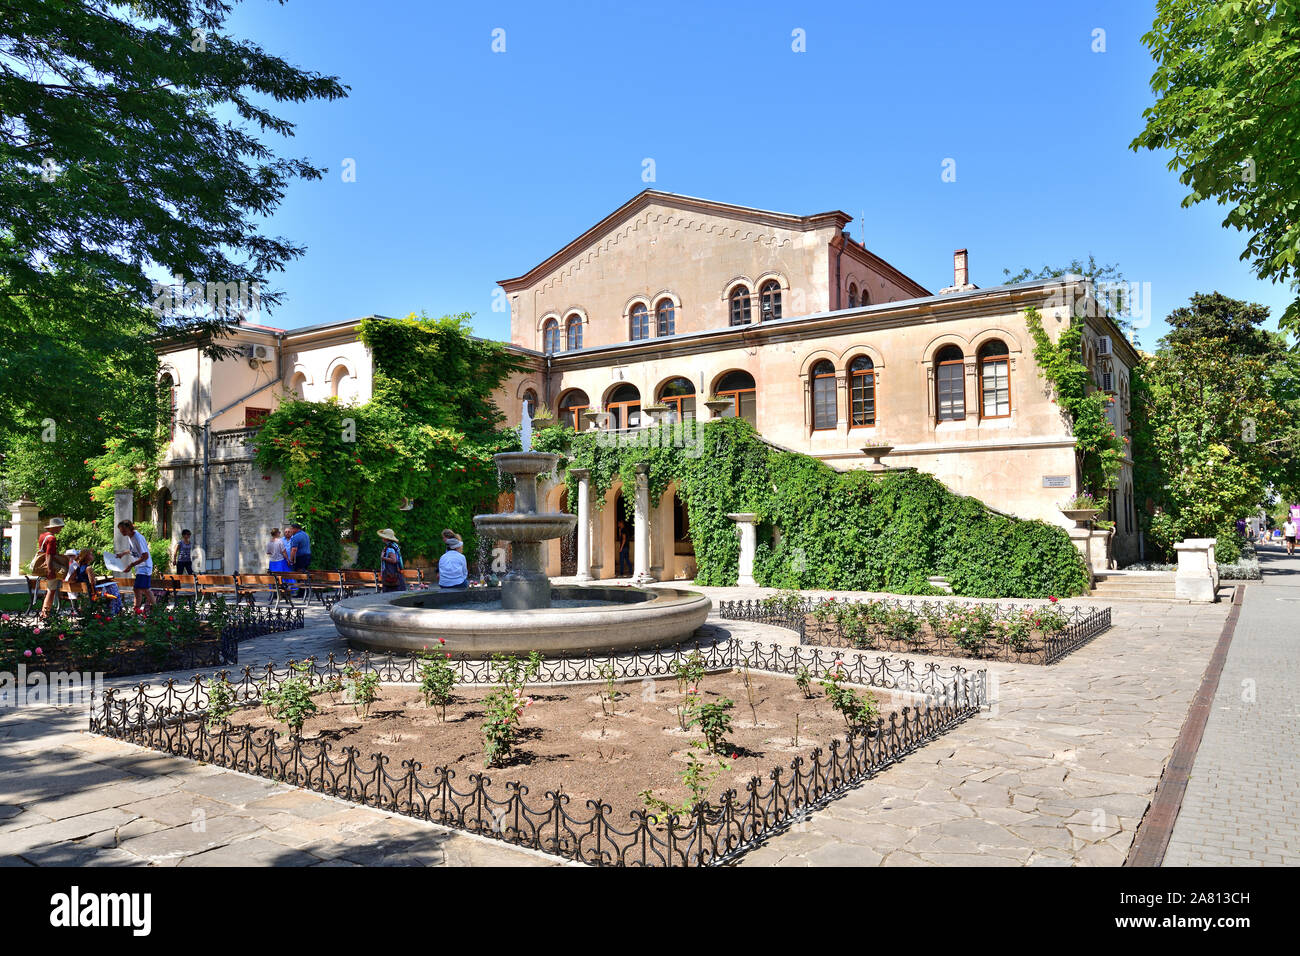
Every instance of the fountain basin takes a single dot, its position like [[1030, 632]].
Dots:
[[514, 526], [583, 619]]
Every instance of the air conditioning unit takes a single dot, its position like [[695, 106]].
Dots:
[[1103, 345], [258, 354]]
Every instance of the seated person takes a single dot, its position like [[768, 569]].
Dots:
[[81, 570], [453, 572]]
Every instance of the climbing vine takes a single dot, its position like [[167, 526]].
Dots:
[[1099, 451], [416, 458], [820, 528]]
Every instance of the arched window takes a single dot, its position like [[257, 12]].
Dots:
[[862, 392], [823, 397], [769, 301], [624, 406], [167, 405], [950, 384], [853, 294], [740, 314], [573, 333], [679, 394], [740, 388], [665, 317], [298, 386], [337, 388], [551, 337], [572, 404], [529, 400], [639, 322], [995, 380]]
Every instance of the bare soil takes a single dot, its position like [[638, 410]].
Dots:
[[570, 744]]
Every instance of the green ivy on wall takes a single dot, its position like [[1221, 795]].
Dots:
[[427, 435], [1099, 451], [820, 528]]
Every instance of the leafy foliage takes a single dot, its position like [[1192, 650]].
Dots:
[[825, 529], [1226, 110]]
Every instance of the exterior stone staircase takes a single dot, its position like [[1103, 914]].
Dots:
[[1136, 586]]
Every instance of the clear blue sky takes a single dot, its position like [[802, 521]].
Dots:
[[472, 166]]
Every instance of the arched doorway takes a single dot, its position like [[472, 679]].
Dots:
[[569, 542], [623, 537]]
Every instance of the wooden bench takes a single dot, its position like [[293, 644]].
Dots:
[[274, 585], [322, 583], [210, 585], [181, 585], [354, 581], [413, 576]]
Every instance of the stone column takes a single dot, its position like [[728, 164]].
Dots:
[[1082, 539], [641, 527], [1100, 547], [584, 522], [123, 510], [25, 529], [657, 542], [230, 526], [745, 526], [1197, 577]]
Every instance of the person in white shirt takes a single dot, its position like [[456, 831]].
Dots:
[[453, 572], [141, 560], [1288, 535]]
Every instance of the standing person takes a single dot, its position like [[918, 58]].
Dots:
[[142, 560], [183, 557], [277, 555], [453, 572], [299, 545], [1288, 535], [48, 563], [390, 562]]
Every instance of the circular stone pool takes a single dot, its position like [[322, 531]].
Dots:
[[595, 619]]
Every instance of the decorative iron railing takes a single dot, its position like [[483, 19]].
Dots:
[[173, 719], [808, 618]]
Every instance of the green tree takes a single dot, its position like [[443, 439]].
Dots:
[[1211, 428], [1226, 107], [1107, 279]]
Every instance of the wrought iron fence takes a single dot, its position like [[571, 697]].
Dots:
[[1082, 624], [173, 719]]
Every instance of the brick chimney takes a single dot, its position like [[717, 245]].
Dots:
[[960, 274]]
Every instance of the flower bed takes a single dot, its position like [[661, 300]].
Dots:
[[720, 815], [135, 642], [1021, 633]]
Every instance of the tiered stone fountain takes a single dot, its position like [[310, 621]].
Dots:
[[526, 612]]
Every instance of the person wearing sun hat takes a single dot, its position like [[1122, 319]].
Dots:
[[390, 562], [49, 563], [453, 572]]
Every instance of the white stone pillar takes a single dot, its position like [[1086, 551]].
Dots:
[[584, 522], [1101, 547], [123, 510], [230, 526], [641, 527], [1197, 577], [745, 527], [25, 529], [1082, 539], [657, 541]]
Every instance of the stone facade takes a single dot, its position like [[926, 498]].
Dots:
[[671, 292]]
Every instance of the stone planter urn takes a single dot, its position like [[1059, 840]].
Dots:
[[592, 418], [1082, 517], [875, 453], [543, 422], [653, 414]]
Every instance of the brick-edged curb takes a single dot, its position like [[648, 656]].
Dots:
[[1157, 825]]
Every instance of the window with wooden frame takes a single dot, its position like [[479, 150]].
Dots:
[[573, 333], [624, 406], [995, 380], [862, 392], [741, 389], [740, 306], [639, 323], [769, 301], [665, 317], [824, 413], [950, 384], [572, 404], [529, 401], [853, 294], [551, 337], [679, 394], [254, 417]]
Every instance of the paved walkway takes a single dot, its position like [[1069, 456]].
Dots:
[[1059, 772], [1239, 808]]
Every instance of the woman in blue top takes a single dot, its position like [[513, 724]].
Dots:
[[390, 563]]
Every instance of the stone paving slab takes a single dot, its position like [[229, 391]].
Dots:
[[1058, 773], [1239, 807]]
